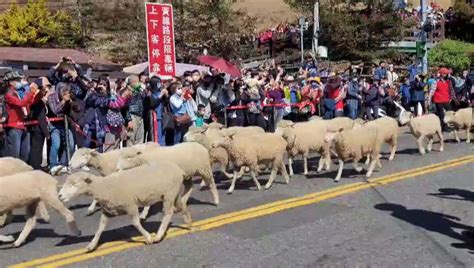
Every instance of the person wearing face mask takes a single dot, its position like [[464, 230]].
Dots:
[[183, 116], [353, 98], [442, 94], [158, 98], [134, 117], [417, 94], [18, 138], [95, 118]]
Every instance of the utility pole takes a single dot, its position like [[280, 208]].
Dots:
[[302, 24], [316, 28], [423, 36]]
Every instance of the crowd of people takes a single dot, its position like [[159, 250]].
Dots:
[[105, 114]]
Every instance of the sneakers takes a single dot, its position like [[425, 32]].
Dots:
[[58, 170]]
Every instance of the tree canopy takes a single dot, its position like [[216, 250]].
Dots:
[[452, 54], [35, 25]]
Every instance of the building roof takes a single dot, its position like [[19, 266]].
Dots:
[[38, 57]]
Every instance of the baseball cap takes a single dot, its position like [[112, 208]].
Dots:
[[12, 75]]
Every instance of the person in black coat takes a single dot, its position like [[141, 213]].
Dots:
[[39, 132]]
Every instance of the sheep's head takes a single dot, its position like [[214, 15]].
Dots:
[[290, 136], [223, 141], [449, 119], [81, 158], [333, 136], [405, 117], [75, 185], [199, 137]]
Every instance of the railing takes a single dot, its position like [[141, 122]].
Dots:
[[435, 36]]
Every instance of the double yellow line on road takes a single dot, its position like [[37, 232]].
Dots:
[[80, 255]]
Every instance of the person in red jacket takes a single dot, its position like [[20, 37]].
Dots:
[[443, 93], [18, 138]]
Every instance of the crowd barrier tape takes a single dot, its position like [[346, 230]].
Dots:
[[31, 122]]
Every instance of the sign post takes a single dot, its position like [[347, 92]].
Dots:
[[160, 40]]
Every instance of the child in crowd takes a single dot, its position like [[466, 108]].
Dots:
[[200, 116]]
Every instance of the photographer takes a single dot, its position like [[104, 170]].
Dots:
[[39, 132], [18, 138], [60, 104], [68, 72]]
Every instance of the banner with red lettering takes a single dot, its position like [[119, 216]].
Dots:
[[160, 39]]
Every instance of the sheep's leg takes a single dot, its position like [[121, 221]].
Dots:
[[328, 161], [356, 166], [6, 238], [92, 207], [339, 171], [43, 212], [290, 165], [379, 164], [441, 140], [29, 225], [255, 180], [468, 135], [421, 147], [272, 177], [305, 164], [241, 172], [232, 184], [371, 167], [367, 160], [283, 172], [144, 213], [188, 189], [54, 202], [209, 178], [223, 169], [95, 241], [430, 144], [456, 136], [202, 185], [168, 214], [137, 224], [393, 149], [182, 207], [6, 218]]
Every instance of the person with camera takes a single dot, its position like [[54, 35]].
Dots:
[[134, 115], [417, 94], [18, 138], [95, 117], [183, 114], [68, 72], [39, 132], [60, 104]]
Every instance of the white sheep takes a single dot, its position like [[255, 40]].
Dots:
[[423, 126], [217, 155], [105, 163], [250, 151], [191, 157], [119, 194], [28, 189], [462, 119], [303, 139], [387, 129], [12, 166], [355, 144]]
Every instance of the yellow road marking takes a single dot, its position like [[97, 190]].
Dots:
[[80, 255]]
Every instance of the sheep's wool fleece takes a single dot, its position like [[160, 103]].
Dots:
[[333, 125], [253, 149], [23, 188], [427, 125], [462, 119], [357, 142], [387, 128], [309, 137], [191, 157], [142, 186], [10, 166]]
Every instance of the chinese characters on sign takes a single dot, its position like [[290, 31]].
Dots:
[[160, 38]]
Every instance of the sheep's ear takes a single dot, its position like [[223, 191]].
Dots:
[[293, 124], [221, 127], [231, 136], [341, 129], [203, 130], [94, 153]]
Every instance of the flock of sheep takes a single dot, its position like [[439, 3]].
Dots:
[[145, 174]]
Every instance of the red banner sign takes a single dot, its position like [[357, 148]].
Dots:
[[160, 35]]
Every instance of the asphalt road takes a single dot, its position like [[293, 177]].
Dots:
[[416, 218]]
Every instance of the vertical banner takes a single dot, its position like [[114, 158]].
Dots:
[[160, 39]]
